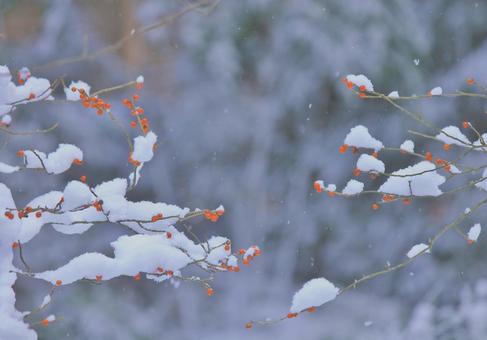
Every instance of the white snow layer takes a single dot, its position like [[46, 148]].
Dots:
[[56, 162], [11, 325], [453, 135], [393, 95], [437, 91], [416, 249], [314, 293], [33, 89], [369, 163], [144, 147], [79, 85], [474, 232], [360, 137], [361, 80], [353, 187], [417, 180], [408, 146]]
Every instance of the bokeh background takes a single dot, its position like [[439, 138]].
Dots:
[[249, 109]]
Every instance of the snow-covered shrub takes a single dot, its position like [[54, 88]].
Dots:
[[427, 176], [161, 245]]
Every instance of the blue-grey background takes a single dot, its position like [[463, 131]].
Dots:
[[249, 111]]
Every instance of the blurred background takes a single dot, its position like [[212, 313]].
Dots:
[[249, 109]]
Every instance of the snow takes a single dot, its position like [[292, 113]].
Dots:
[[331, 187], [417, 180], [11, 325], [353, 187], [417, 249], [46, 301], [483, 184], [474, 232], [314, 293], [6, 119], [361, 80], [140, 79], [56, 162], [132, 254], [437, 91], [458, 137], [144, 147], [393, 95], [79, 85], [407, 146], [34, 89], [8, 169], [368, 163], [478, 143], [360, 137]]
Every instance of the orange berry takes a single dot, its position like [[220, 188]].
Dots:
[[446, 147], [139, 86], [9, 215], [209, 291], [362, 95], [248, 325], [236, 269], [470, 241], [343, 148], [73, 89], [375, 206], [407, 201], [241, 251], [349, 84], [357, 172], [77, 161], [137, 277], [15, 245], [465, 124], [317, 187], [45, 322], [83, 179], [311, 309], [470, 81], [32, 96], [59, 282], [98, 278], [168, 234], [86, 104], [20, 153], [245, 262], [160, 270], [133, 124], [362, 88], [292, 315], [331, 193], [428, 156], [136, 97], [38, 214], [169, 273]]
